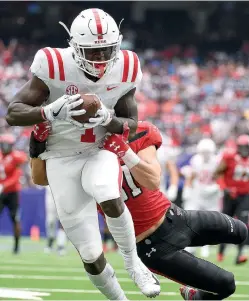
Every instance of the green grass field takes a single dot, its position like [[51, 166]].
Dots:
[[42, 276]]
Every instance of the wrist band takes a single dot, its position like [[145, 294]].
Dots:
[[43, 114], [130, 158]]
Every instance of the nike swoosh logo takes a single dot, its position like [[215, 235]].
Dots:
[[111, 88], [58, 112], [157, 282]]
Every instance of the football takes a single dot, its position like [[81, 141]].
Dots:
[[91, 104]]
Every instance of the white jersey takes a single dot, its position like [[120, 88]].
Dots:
[[57, 69], [204, 187]]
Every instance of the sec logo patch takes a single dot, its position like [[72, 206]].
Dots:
[[72, 90]]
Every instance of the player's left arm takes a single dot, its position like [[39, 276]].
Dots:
[[148, 170], [125, 111]]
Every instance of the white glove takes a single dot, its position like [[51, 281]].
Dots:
[[103, 117], [172, 192], [62, 109], [1, 188]]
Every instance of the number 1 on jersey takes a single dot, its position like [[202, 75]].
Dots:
[[88, 136]]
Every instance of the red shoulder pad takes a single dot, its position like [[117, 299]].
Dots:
[[152, 137]]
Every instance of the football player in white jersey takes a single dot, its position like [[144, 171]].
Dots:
[[166, 156], [79, 173], [200, 191], [52, 224]]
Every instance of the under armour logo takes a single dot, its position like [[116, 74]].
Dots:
[[116, 147], [152, 250]]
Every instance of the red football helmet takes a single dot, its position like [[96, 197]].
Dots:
[[243, 145], [6, 143]]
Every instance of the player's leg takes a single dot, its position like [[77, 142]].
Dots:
[[78, 215], [163, 253], [51, 219], [229, 206], [12, 203], [242, 213], [102, 178], [61, 240]]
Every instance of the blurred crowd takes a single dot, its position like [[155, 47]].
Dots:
[[187, 95]]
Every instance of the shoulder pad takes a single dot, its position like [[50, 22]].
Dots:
[[131, 69], [48, 64]]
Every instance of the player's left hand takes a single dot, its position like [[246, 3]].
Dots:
[[103, 117], [172, 192], [117, 144], [42, 131]]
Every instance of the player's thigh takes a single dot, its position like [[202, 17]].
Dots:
[[242, 210], [229, 204], [12, 203], [64, 177], [212, 227], [76, 209], [102, 176], [187, 269]]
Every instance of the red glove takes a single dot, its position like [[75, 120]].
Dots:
[[42, 131], [116, 143]]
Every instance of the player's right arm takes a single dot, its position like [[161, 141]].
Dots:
[[144, 165], [26, 107], [221, 168]]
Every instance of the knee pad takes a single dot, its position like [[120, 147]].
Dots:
[[242, 231], [226, 284], [89, 253]]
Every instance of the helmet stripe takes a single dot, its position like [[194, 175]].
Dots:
[[60, 64], [126, 66], [135, 68], [98, 23], [50, 63]]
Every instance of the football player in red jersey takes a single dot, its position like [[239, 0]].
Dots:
[[162, 229], [10, 173], [234, 167]]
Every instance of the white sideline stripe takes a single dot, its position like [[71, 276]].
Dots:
[[48, 269], [80, 291], [77, 278], [21, 294], [73, 270]]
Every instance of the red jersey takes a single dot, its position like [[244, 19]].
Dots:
[[236, 176], [146, 206], [10, 172]]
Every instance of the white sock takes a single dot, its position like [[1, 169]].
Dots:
[[205, 251], [122, 230], [61, 238], [51, 229], [191, 250], [107, 283]]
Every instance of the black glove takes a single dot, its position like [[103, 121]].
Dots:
[[35, 147]]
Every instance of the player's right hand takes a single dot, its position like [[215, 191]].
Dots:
[[63, 109]]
